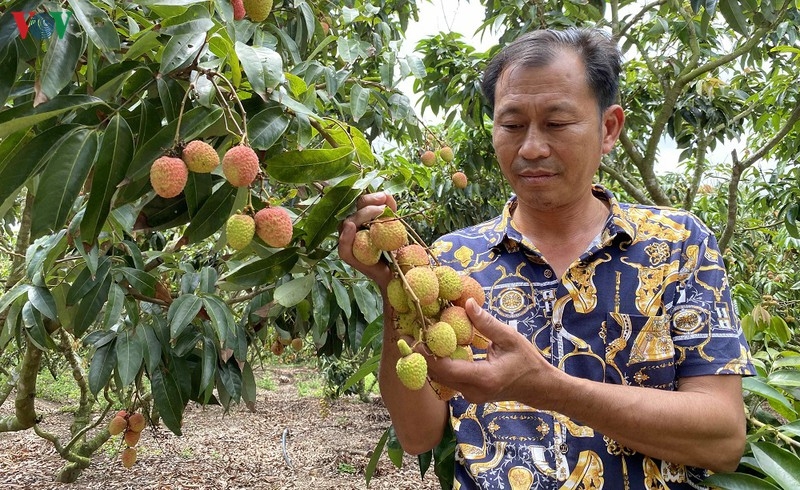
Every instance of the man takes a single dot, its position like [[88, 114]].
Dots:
[[615, 358]]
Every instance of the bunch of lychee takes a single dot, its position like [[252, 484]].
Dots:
[[428, 300], [272, 224], [131, 425], [446, 153], [169, 173]]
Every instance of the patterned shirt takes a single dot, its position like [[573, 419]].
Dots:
[[646, 304]]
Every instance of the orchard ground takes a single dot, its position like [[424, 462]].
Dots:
[[295, 439]]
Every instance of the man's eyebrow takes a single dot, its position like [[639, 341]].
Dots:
[[549, 109]]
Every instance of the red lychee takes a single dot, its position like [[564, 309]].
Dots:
[[168, 176], [274, 226], [240, 165]]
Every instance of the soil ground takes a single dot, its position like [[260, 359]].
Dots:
[[289, 442]]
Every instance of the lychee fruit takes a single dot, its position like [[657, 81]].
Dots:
[[168, 176], [297, 343], [397, 296], [471, 289], [123, 414], [406, 323], [431, 310], [239, 230], [457, 317], [132, 437], [136, 422], [441, 339], [128, 457], [459, 180], [446, 153], [200, 157], [238, 9], [462, 353], [411, 256], [424, 284], [276, 348], [428, 158], [479, 341], [388, 234], [258, 10], [364, 250], [274, 226], [117, 425], [411, 368], [450, 286], [240, 165]]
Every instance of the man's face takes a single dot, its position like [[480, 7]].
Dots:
[[548, 134]]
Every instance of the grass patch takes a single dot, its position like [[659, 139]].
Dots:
[[61, 389], [265, 382], [312, 385]]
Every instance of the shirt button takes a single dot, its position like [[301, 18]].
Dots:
[[563, 447], [558, 327]]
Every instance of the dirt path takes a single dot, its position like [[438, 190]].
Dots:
[[328, 445]]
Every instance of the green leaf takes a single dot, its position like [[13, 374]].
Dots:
[[59, 63], [212, 215], [290, 293], [152, 347], [113, 159], [342, 298], [738, 481], [221, 316], [784, 378], [732, 12], [90, 306], [28, 160], [394, 449], [42, 253], [306, 166], [359, 101], [367, 303], [87, 280], [209, 363], [248, 386], [113, 310], [25, 115], [376, 456], [322, 308], [231, 378], [194, 19], [262, 271], [168, 399], [262, 65], [266, 128], [140, 280], [9, 60], [130, 354], [98, 26], [181, 313], [62, 180], [760, 387], [194, 122], [197, 191], [180, 51], [35, 328], [12, 294], [790, 219], [368, 367], [323, 219], [208, 280], [782, 465], [43, 300], [102, 366]]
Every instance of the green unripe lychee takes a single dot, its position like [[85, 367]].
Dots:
[[463, 353], [240, 230], [441, 339], [258, 10], [424, 284], [450, 286], [240, 166], [388, 234], [274, 226], [411, 368], [364, 250], [406, 323], [396, 294], [457, 317], [471, 289], [446, 153], [430, 311], [168, 176], [200, 157], [411, 256]]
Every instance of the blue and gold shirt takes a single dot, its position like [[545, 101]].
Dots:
[[646, 304]]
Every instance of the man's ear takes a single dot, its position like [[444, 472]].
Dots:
[[613, 120]]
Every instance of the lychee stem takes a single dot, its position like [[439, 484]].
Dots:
[[180, 114]]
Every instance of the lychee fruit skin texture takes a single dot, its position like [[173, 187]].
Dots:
[[397, 296], [411, 256], [446, 153], [364, 250], [424, 284], [412, 371], [297, 343], [240, 229], [388, 234], [462, 353], [200, 157], [238, 9], [240, 166], [428, 158], [274, 226], [472, 289], [128, 457], [168, 176], [136, 422], [457, 317], [441, 339], [450, 286], [117, 425], [258, 10], [406, 323], [132, 437], [459, 180]]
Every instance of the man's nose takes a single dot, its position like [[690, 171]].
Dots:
[[535, 145]]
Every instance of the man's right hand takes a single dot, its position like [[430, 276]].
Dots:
[[368, 207]]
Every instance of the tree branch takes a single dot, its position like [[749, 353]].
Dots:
[[631, 188]]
